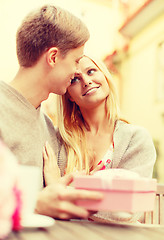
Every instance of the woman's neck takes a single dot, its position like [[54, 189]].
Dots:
[[96, 120]]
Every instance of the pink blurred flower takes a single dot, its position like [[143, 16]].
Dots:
[[10, 194], [16, 218]]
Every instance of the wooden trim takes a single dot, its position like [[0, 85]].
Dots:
[[142, 17]]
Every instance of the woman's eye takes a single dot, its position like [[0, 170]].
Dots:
[[91, 71], [75, 79]]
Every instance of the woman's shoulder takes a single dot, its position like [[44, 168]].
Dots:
[[122, 124], [132, 130]]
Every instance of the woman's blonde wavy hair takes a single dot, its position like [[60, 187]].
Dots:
[[72, 126]]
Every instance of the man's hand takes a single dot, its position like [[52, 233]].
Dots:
[[58, 201]]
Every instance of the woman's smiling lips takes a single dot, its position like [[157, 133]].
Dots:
[[90, 91]]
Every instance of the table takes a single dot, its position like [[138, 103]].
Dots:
[[80, 230]]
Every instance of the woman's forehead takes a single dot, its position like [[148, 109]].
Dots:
[[85, 62]]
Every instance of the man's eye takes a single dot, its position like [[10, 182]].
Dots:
[[75, 79]]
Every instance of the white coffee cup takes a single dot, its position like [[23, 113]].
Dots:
[[30, 181]]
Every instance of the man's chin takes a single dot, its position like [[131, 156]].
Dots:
[[64, 92], [61, 92]]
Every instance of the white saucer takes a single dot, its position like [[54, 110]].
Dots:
[[140, 225], [37, 221]]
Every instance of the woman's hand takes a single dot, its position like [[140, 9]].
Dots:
[[51, 170], [97, 168]]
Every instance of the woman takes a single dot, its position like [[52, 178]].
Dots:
[[93, 133]]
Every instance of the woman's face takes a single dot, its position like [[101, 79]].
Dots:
[[89, 86]]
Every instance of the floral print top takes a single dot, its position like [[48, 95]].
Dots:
[[107, 159]]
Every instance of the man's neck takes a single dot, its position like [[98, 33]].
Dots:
[[29, 84]]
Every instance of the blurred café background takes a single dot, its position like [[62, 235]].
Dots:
[[129, 36]]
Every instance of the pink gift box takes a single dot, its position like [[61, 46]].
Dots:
[[120, 194]]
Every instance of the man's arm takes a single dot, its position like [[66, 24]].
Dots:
[[58, 201]]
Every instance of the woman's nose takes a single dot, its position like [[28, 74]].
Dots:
[[86, 82]]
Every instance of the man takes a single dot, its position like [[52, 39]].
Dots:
[[50, 42]]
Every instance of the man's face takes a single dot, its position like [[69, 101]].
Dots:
[[64, 70]]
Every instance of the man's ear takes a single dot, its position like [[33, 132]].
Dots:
[[51, 56]]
